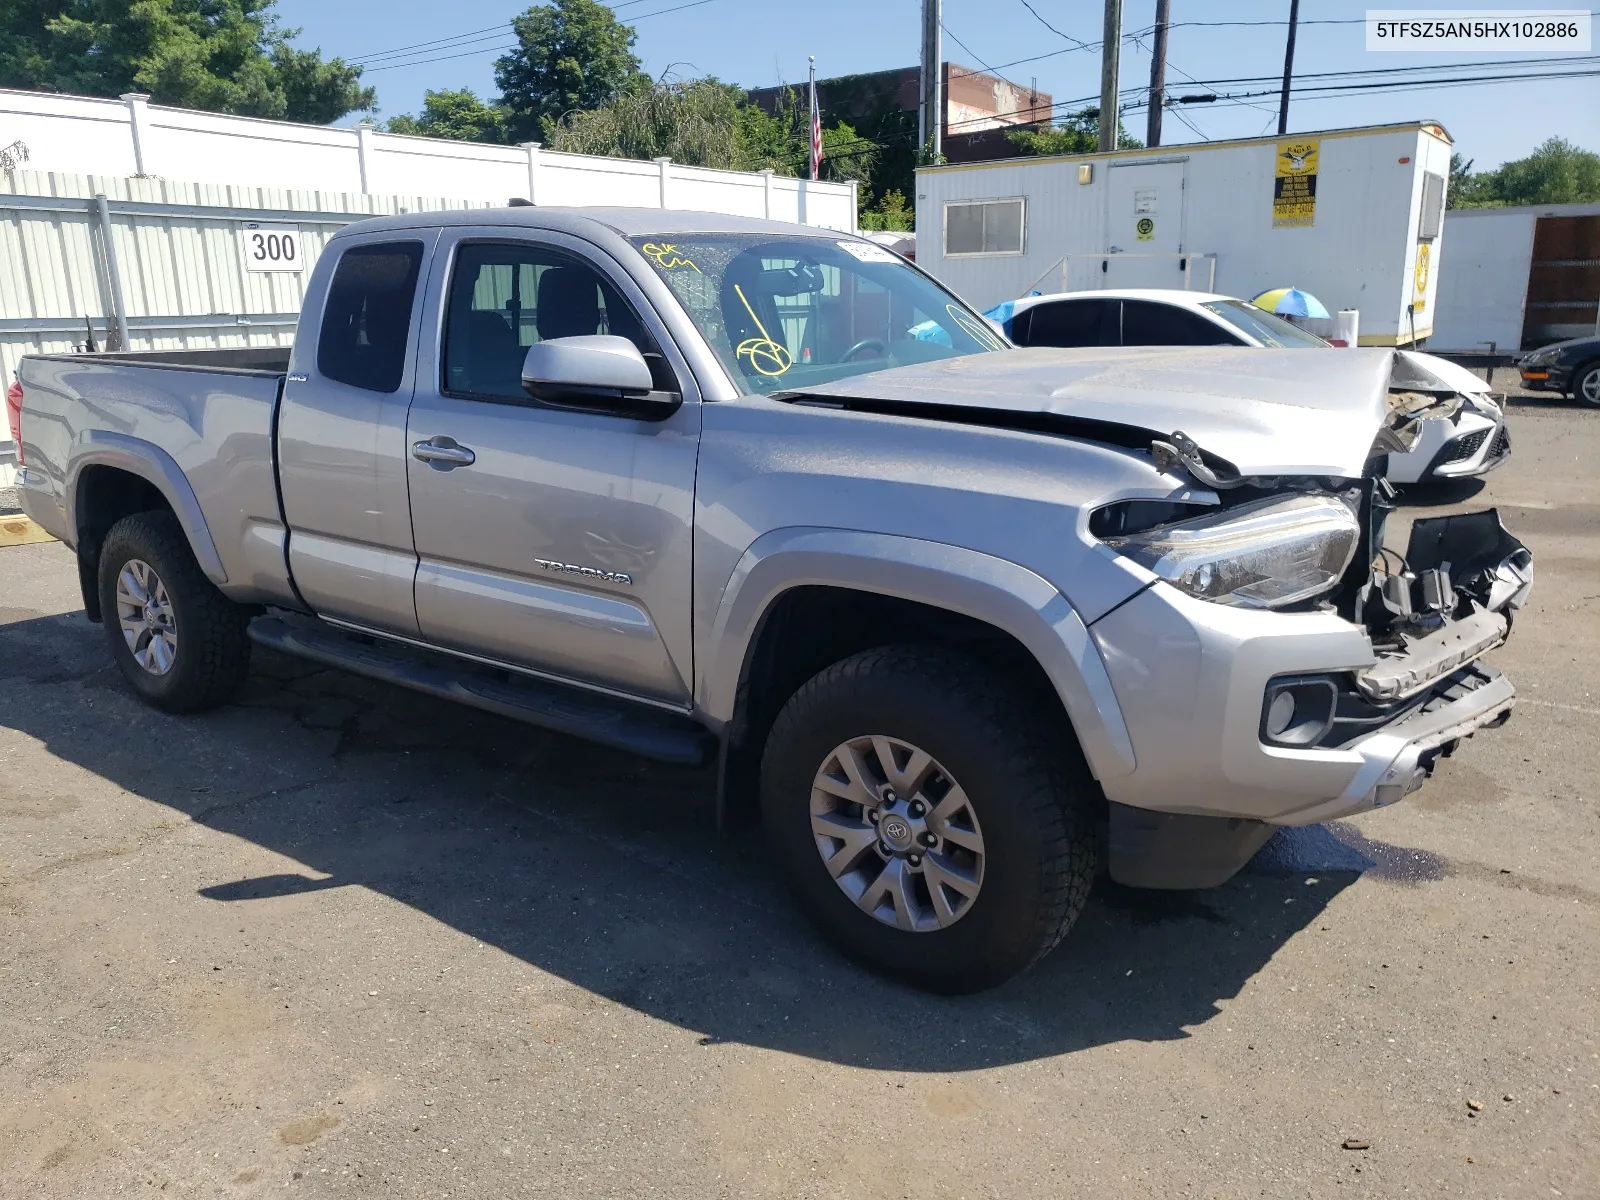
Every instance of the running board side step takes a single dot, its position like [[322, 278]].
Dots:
[[616, 723]]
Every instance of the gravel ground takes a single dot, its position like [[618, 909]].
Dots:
[[338, 940]]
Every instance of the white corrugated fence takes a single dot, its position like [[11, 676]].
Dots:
[[175, 276], [99, 240]]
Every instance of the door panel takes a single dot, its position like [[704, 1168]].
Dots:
[[565, 545], [342, 451], [1144, 225]]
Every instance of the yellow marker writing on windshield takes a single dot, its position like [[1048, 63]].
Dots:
[[667, 257], [766, 355], [980, 331]]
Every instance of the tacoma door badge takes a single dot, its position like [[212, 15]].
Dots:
[[587, 572]]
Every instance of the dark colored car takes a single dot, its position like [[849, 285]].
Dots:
[[1571, 368]]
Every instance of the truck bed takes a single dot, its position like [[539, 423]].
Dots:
[[244, 360], [197, 424]]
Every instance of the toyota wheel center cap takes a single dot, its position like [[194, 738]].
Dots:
[[896, 832]]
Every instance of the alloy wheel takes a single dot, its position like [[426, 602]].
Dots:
[[144, 611], [897, 833]]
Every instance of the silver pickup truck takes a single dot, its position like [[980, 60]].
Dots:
[[957, 620]]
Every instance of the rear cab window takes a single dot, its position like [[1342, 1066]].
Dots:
[[366, 322]]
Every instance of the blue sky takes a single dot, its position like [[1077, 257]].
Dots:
[[761, 42]]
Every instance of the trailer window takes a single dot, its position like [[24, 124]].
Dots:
[[366, 322], [984, 226], [1432, 207]]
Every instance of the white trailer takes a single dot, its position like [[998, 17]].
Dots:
[[1519, 278], [1353, 216]]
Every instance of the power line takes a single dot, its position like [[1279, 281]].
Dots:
[[1330, 75], [1337, 90], [467, 39], [415, 46], [1077, 43]]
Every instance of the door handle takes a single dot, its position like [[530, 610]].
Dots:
[[443, 453]]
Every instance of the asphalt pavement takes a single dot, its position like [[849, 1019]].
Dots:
[[341, 940]]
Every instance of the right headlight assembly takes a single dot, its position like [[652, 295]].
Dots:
[[1264, 554]]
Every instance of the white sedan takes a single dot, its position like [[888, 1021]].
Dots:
[[1471, 440]]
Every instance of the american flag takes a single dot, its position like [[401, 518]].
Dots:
[[816, 127]]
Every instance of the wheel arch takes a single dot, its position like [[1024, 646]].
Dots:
[[801, 599], [110, 476]]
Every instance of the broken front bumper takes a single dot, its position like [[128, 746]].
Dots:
[[1400, 757], [1197, 683]]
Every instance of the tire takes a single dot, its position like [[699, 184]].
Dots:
[[1586, 384], [203, 656], [1028, 803]]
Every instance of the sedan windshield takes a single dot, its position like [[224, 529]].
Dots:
[[791, 312], [1261, 325]]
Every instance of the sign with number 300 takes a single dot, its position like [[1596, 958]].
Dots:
[[271, 248]]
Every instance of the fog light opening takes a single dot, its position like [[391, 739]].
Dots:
[[1280, 712], [1298, 712]]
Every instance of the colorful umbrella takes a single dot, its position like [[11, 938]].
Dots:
[[1291, 302]]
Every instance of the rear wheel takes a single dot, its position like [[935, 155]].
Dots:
[[926, 823], [178, 641], [1586, 384]]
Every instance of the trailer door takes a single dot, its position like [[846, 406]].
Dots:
[[1144, 225]]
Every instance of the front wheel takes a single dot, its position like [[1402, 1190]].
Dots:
[[924, 819], [178, 641], [1586, 384]]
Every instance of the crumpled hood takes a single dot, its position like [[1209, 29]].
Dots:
[[1268, 412], [1449, 374]]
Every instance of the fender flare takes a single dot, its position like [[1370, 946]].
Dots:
[[995, 591], [107, 448]]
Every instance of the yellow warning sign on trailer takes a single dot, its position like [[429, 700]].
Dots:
[[1294, 186], [1424, 265]]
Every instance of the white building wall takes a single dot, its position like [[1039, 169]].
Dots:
[[1359, 253]]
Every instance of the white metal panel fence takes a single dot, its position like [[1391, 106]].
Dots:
[[79, 135]]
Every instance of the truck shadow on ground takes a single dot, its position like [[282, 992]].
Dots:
[[605, 870]]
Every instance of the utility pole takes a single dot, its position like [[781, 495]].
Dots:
[[1109, 54], [1158, 72], [1288, 68], [930, 110]]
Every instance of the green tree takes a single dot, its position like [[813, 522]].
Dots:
[[1077, 134], [459, 115], [779, 141], [846, 155], [1556, 173], [695, 122], [571, 55], [891, 213], [227, 56]]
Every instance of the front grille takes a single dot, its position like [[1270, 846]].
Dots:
[[1464, 447], [1501, 446]]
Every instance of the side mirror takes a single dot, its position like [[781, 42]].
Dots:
[[601, 372]]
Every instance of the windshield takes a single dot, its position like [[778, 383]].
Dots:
[[791, 312], [1262, 325]]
